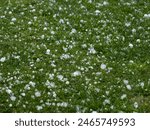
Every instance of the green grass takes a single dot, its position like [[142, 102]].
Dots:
[[81, 37]]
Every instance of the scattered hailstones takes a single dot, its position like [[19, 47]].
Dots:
[[8, 91], [131, 45], [60, 77], [37, 94], [63, 104], [13, 19], [65, 56], [97, 12], [29, 23], [128, 87], [76, 73], [105, 3], [73, 31], [127, 24], [42, 36], [146, 15], [50, 84], [103, 66], [123, 96], [12, 98], [125, 82], [142, 84], [48, 51], [92, 50], [39, 108], [23, 94], [136, 105], [138, 40], [61, 21], [106, 101], [32, 84], [10, 105], [3, 59], [84, 46]]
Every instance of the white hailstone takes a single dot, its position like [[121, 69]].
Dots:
[[61, 21], [51, 76], [45, 28], [13, 19], [17, 57], [23, 94], [64, 104], [146, 15], [65, 49], [60, 77], [64, 56], [142, 84], [37, 94], [10, 105], [54, 94], [43, 36], [138, 40], [84, 46], [97, 12], [106, 101], [107, 93], [98, 73], [9, 12], [29, 23], [3, 59], [8, 91], [38, 60], [12, 97], [52, 32], [76, 73], [27, 87], [103, 66], [131, 61], [32, 84], [97, 90], [112, 107], [67, 82], [129, 87], [22, 13], [131, 45], [92, 50], [105, 3], [39, 108], [35, 18], [90, 1], [48, 51], [135, 105], [50, 84], [81, 21], [33, 10], [73, 31], [133, 30], [127, 24], [58, 104], [125, 81], [123, 96]]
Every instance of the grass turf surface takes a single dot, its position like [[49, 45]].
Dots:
[[74, 56]]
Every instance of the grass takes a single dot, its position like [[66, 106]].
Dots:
[[52, 53]]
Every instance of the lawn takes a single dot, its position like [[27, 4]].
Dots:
[[75, 56]]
